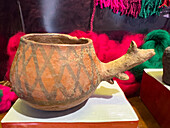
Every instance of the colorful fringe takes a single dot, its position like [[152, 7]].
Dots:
[[150, 7], [134, 8], [166, 3], [115, 5]]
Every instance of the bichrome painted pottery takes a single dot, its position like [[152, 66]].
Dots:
[[56, 71]]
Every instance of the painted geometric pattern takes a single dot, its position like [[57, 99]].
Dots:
[[48, 75]]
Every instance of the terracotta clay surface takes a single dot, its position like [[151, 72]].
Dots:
[[56, 71], [166, 66]]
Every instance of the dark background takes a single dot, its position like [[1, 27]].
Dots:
[[65, 16]]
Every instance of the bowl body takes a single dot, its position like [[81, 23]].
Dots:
[[54, 71]]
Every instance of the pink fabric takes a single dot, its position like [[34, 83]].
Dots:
[[11, 50], [7, 98]]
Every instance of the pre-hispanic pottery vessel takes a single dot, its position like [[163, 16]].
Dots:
[[55, 72]]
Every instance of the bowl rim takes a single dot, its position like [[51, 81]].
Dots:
[[24, 40]]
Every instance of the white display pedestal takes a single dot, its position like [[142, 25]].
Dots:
[[108, 107]]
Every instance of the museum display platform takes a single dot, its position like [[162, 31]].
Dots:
[[146, 120], [107, 107]]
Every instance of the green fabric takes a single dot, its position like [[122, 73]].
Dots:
[[150, 7], [158, 40], [1, 94]]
